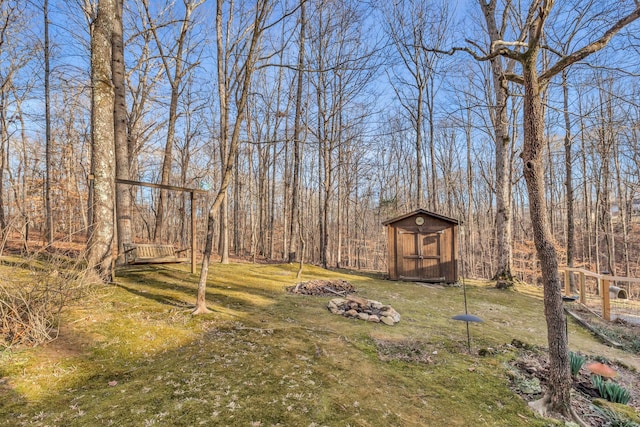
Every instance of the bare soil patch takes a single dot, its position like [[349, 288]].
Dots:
[[404, 350]]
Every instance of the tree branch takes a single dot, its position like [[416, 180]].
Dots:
[[590, 48], [501, 50], [513, 77]]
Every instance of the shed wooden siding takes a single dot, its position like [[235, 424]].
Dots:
[[425, 252]]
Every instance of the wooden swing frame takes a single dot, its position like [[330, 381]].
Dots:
[[154, 260]]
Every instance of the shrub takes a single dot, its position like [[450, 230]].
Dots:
[[32, 297], [611, 391], [576, 361]]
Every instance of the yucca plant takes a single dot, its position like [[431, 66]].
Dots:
[[613, 392], [576, 361]]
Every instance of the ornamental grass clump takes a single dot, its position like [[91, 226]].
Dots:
[[609, 390], [576, 361], [613, 392]]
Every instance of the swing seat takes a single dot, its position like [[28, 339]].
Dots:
[[146, 253]]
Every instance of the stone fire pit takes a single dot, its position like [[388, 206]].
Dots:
[[364, 309]]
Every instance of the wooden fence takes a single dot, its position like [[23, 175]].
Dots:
[[605, 292]]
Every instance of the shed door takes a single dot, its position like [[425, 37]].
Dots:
[[419, 256]]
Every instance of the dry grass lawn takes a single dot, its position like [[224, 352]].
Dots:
[[132, 355]]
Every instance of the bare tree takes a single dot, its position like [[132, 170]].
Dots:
[[342, 70], [100, 242], [250, 36], [294, 220], [534, 82], [16, 52], [176, 67], [534, 78], [503, 143], [411, 25], [47, 119]]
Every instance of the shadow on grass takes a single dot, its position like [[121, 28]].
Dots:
[[163, 280], [162, 299]]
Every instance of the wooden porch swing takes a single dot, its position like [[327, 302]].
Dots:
[[151, 253]]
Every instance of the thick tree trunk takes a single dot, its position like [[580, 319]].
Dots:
[[500, 121], [100, 242], [433, 194], [559, 372], [123, 192], [624, 211], [223, 100]]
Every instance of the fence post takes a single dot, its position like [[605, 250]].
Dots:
[[567, 284], [583, 292], [606, 304]]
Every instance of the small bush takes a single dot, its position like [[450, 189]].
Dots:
[[576, 361], [32, 297], [613, 392]]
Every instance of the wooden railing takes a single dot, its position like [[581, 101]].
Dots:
[[604, 286]]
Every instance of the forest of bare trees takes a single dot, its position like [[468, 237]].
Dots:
[[314, 122]]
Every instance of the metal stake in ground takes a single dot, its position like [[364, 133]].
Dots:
[[466, 317]]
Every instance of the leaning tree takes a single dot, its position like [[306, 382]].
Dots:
[[535, 75]]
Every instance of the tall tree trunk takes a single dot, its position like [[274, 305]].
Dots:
[[586, 194], [272, 198], [100, 242], [503, 226], [4, 148], [607, 141], [238, 239], [47, 119], [433, 194], [123, 192], [222, 60], [262, 11], [223, 248], [419, 118], [297, 130], [623, 204], [559, 373], [568, 167], [468, 237]]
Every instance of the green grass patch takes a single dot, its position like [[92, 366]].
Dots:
[[132, 355]]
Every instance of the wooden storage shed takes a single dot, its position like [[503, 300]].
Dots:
[[423, 247]]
